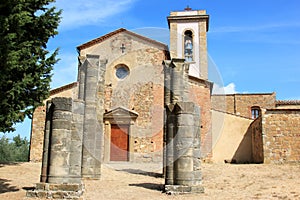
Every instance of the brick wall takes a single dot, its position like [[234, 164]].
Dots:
[[240, 104], [200, 94], [281, 135]]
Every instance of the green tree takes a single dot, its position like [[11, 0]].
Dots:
[[26, 64], [15, 151]]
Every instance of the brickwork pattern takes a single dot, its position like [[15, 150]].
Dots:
[[240, 104], [201, 96], [281, 136]]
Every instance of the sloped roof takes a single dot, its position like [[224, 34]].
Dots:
[[288, 102], [63, 88], [121, 30]]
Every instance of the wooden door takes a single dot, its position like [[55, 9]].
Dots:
[[119, 146]]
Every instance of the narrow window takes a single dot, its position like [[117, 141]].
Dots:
[[188, 46], [255, 112]]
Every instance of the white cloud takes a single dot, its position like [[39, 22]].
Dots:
[[229, 89], [78, 13]]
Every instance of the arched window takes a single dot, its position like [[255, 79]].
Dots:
[[188, 46], [255, 112]]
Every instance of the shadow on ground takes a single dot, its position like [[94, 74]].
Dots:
[[150, 186], [3, 164], [6, 187], [142, 172]]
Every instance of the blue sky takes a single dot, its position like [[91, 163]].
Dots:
[[254, 44]]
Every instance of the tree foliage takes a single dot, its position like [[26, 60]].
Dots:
[[26, 64], [15, 151]]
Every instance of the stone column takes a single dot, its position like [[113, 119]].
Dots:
[[76, 138], [169, 148], [60, 143], [179, 80], [93, 117], [61, 171], [184, 173], [182, 132], [168, 128], [44, 171]]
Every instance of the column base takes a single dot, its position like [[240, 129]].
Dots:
[[57, 191], [182, 189]]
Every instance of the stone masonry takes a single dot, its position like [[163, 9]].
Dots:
[[73, 137], [240, 104], [183, 155], [61, 166], [281, 135]]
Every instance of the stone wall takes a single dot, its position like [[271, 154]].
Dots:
[[240, 104], [141, 91], [281, 135], [38, 121]]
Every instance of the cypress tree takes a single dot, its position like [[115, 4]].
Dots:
[[26, 64]]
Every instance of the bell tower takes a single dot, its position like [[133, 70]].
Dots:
[[188, 39]]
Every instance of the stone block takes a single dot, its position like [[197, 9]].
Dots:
[[185, 120], [62, 103], [59, 195], [41, 194], [180, 189], [185, 107], [31, 194], [78, 107], [61, 124], [184, 164], [185, 131], [40, 186]]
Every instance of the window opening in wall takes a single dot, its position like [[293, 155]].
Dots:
[[188, 46], [122, 71], [255, 112]]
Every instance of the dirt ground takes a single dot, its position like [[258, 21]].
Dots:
[[136, 181]]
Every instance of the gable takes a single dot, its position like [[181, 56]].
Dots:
[[120, 113], [122, 31]]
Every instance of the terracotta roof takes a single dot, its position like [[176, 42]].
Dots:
[[243, 94], [288, 102], [284, 109], [121, 30], [63, 88]]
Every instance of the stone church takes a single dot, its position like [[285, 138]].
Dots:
[[122, 86]]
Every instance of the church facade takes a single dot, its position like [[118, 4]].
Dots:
[[122, 84]]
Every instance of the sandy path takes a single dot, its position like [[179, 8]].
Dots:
[[127, 181]]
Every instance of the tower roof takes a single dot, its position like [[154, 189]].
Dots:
[[188, 15]]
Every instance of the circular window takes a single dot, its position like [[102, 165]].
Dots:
[[122, 71]]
